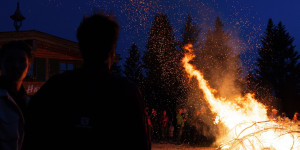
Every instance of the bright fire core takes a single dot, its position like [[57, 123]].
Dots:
[[245, 118]]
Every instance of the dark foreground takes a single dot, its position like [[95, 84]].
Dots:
[[168, 146]]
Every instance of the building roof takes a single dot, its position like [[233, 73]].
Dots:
[[38, 35], [46, 41]]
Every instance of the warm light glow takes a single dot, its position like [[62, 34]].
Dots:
[[244, 116]]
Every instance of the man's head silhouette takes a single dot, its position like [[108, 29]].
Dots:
[[97, 37]]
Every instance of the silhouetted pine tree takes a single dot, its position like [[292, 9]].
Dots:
[[190, 33], [278, 67], [133, 66], [161, 60], [264, 62], [257, 81], [221, 67]]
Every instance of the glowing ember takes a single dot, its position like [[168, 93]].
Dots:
[[245, 118]]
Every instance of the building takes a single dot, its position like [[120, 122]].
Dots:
[[51, 55]]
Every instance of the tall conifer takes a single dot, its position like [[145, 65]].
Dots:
[[278, 67], [161, 60], [133, 66]]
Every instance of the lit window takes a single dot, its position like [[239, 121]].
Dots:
[[30, 71], [30, 74], [63, 67]]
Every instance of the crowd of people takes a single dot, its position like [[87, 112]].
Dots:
[[184, 128], [193, 129], [275, 116]]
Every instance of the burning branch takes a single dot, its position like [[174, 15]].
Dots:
[[255, 139]]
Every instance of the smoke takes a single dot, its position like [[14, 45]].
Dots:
[[228, 80]]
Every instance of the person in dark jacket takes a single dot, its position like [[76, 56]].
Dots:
[[84, 109], [15, 58], [155, 132], [180, 125], [164, 122]]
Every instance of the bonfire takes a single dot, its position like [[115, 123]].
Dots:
[[249, 127]]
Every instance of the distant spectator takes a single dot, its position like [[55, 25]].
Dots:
[[296, 117], [186, 131], [274, 116], [155, 126], [198, 128], [164, 127], [284, 118], [148, 120], [180, 125], [171, 131]]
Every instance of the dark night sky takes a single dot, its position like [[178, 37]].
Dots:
[[245, 20]]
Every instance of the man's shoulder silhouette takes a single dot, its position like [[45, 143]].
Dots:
[[89, 107]]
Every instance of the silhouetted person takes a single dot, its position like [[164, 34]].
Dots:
[[296, 117], [15, 58], [186, 130], [180, 125], [148, 120], [274, 115], [155, 134], [89, 109], [164, 124], [198, 128], [284, 117]]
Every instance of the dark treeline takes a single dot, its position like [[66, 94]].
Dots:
[[277, 77], [165, 85]]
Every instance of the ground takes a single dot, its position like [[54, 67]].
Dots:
[[177, 147]]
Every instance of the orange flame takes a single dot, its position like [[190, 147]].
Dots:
[[244, 114]]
